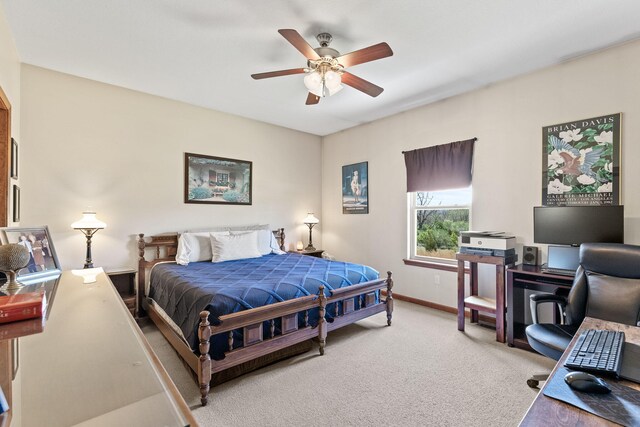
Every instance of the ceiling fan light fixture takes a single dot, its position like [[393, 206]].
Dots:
[[332, 80], [313, 82], [334, 90]]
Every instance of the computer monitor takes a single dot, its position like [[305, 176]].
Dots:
[[573, 225]]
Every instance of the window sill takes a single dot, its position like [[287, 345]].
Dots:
[[434, 265]]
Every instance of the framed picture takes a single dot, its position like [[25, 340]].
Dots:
[[355, 188], [14, 158], [43, 260], [581, 162], [16, 203], [218, 180]]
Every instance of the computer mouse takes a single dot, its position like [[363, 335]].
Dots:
[[586, 383]]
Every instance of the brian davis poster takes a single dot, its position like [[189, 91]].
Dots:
[[581, 162]]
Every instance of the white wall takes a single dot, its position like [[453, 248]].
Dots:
[[10, 83], [122, 152], [507, 118]]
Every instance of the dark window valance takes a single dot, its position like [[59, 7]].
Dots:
[[441, 167]]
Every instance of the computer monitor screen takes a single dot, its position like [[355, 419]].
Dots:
[[573, 225]]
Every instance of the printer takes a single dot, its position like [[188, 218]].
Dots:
[[487, 242]]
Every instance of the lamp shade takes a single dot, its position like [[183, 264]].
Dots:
[[332, 80], [310, 219], [88, 221], [313, 82]]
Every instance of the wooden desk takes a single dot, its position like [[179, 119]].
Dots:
[[528, 277], [545, 411], [475, 302], [92, 366]]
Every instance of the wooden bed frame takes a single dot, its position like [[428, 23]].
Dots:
[[255, 345]]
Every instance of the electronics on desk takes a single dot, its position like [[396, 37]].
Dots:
[[530, 255], [562, 260], [494, 240], [574, 225], [599, 351]]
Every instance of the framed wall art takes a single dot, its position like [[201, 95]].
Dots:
[[14, 158], [581, 162], [217, 180], [355, 188], [43, 260], [16, 203]]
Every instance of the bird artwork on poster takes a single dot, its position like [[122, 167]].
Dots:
[[581, 162]]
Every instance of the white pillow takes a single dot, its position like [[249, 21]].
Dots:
[[266, 241], [227, 247], [194, 247]]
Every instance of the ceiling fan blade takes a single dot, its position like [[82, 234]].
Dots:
[[278, 73], [299, 43], [312, 99], [371, 53], [361, 84]]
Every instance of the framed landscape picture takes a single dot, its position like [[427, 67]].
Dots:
[[581, 162], [355, 188], [42, 255], [217, 180]]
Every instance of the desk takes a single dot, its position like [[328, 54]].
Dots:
[[91, 365], [528, 277], [545, 411], [475, 302]]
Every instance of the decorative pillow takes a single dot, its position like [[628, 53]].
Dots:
[[267, 242], [194, 247], [227, 247]]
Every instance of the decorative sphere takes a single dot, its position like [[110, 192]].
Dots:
[[13, 257]]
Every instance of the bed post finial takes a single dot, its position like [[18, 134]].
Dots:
[[281, 237], [204, 361], [389, 301], [322, 322], [141, 245]]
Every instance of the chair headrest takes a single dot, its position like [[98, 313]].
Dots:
[[611, 259]]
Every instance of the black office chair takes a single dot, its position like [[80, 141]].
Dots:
[[606, 286]]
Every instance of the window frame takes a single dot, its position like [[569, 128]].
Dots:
[[412, 210]]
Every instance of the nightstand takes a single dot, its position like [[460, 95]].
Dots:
[[124, 280], [317, 253]]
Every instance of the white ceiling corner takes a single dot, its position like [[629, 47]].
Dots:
[[203, 52]]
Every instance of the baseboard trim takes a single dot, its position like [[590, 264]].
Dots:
[[441, 307]]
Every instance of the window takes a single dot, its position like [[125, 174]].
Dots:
[[437, 217]]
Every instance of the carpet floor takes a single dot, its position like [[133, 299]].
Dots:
[[419, 372]]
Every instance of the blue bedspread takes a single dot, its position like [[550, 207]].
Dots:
[[231, 286]]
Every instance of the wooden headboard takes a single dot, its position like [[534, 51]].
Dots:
[[166, 247]]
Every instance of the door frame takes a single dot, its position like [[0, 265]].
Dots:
[[5, 156]]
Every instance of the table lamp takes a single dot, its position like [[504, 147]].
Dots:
[[310, 221], [88, 224]]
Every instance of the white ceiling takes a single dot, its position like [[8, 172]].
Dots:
[[203, 51]]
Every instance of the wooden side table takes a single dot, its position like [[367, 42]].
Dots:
[[124, 280], [314, 253], [477, 303]]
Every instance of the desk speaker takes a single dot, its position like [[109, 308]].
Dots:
[[530, 255]]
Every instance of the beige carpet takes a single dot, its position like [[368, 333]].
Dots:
[[420, 371]]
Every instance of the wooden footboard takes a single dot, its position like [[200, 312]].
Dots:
[[349, 305], [251, 322]]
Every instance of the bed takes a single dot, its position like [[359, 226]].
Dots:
[[222, 315]]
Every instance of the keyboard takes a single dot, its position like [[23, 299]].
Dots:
[[559, 271], [597, 351]]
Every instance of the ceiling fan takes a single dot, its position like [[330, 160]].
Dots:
[[326, 67]]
